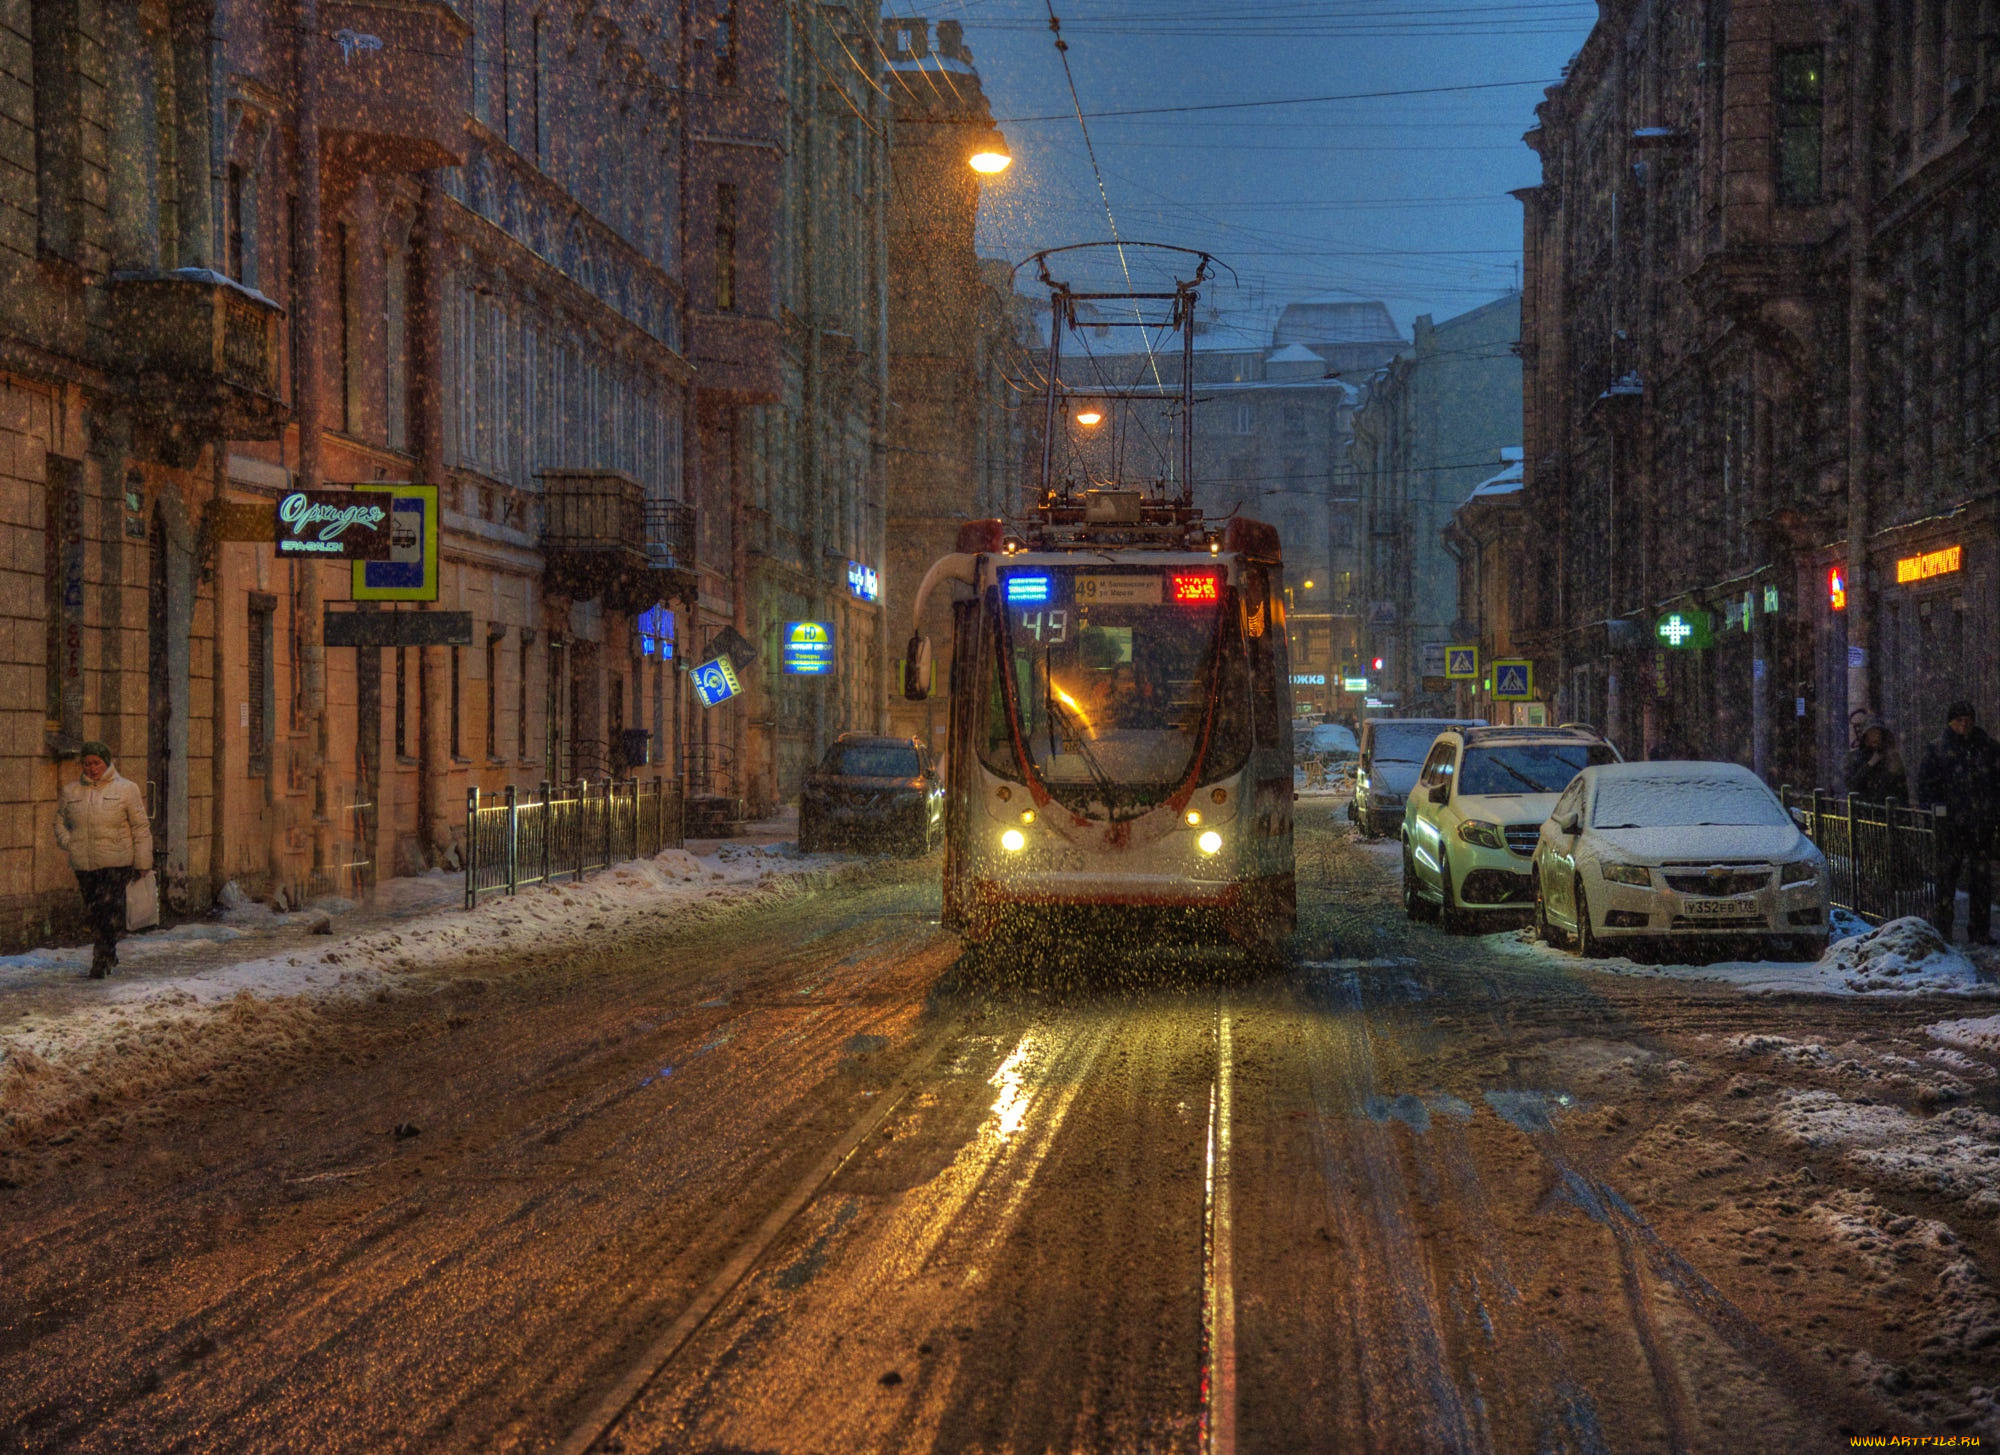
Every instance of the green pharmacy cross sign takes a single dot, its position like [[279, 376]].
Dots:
[[1684, 630]]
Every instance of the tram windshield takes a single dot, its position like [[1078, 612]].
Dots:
[[1109, 673]]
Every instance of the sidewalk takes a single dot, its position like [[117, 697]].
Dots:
[[187, 999]]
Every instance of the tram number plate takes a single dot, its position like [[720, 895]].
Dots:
[[1717, 908], [1118, 590]]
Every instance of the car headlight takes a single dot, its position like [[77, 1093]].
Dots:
[[1210, 842], [1013, 841], [1486, 835], [1637, 874], [1799, 871]]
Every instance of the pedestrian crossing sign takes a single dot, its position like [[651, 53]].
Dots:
[[1513, 681], [1461, 664]]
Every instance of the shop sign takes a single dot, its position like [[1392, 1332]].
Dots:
[[1931, 563], [1308, 679], [1682, 630], [1354, 684], [862, 582], [1836, 588], [715, 681], [410, 570], [333, 525], [807, 649]]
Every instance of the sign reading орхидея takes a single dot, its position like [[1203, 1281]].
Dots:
[[333, 525]]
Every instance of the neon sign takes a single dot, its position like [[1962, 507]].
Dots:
[[1681, 630], [1929, 564], [862, 582], [1191, 588], [1836, 588]]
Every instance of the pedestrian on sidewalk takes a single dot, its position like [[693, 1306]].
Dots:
[[1875, 770], [1960, 778], [101, 824]]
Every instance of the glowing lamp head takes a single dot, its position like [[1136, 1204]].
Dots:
[[1013, 841], [990, 155], [1090, 416], [1210, 842]]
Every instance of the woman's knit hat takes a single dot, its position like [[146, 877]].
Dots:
[[95, 749]]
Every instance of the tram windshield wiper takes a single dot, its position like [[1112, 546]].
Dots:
[[1073, 730]]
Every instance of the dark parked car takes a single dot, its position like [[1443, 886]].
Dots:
[[873, 788]]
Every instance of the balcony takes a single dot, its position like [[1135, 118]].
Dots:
[[603, 538], [394, 82], [199, 352]]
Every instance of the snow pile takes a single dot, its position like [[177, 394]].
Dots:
[[1955, 1154], [1979, 1034], [1904, 955], [139, 1037]]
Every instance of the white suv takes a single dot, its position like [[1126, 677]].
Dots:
[[1471, 824]]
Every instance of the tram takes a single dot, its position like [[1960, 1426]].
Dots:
[[1120, 711]]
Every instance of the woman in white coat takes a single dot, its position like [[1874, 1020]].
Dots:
[[101, 823]]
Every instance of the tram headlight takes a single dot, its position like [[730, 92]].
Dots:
[[1027, 815], [1194, 818], [1013, 841], [1210, 842]]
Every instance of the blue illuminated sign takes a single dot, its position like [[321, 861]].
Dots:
[[715, 681], [807, 648], [656, 632], [863, 582], [1027, 590]]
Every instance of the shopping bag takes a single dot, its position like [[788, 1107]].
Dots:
[[142, 902]]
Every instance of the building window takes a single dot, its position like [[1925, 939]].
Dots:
[[234, 251], [493, 635], [725, 246], [402, 702], [348, 301], [521, 696], [1801, 108], [395, 325], [1242, 417], [457, 735], [260, 688], [58, 110], [1295, 420], [62, 588], [727, 19]]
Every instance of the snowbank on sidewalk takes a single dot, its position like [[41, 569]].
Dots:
[[133, 1036], [1902, 957]]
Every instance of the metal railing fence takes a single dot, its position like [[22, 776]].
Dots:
[[1881, 858], [512, 839]]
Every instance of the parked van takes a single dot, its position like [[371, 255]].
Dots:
[[1392, 753]]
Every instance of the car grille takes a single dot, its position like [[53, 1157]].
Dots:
[[1719, 886], [1718, 922], [1496, 886], [1521, 837]]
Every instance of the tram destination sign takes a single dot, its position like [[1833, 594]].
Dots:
[[333, 525]]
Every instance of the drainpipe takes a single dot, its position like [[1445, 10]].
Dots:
[[308, 397], [1860, 505]]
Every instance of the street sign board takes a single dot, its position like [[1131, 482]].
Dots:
[[1437, 684], [410, 571], [1430, 659], [807, 648], [1461, 664], [715, 681], [1513, 680], [398, 628], [1354, 684], [243, 520], [1685, 630], [862, 582], [332, 525]]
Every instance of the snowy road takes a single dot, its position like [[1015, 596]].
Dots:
[[806, 1181]]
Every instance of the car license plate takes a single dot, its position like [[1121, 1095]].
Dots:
[[1717, 908]]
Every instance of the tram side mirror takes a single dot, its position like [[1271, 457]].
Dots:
[[917, 669]]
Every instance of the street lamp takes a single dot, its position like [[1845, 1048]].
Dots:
[[989, 154], [1090, 416]]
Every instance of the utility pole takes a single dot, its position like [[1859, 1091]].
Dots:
[[308, 389], [1860, 504]]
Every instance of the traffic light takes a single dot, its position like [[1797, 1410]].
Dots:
[[1378, 664]]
